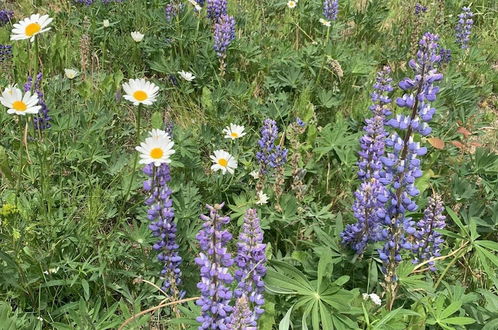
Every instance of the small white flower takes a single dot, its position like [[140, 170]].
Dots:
[[18, 103], [325, 22], [188, 76], [106, 23], [262, 198], [234, 131], [375, 299], [195, 4], [223, 161], [255, 174], [70, 73], [365, 296], [137, 36], [29, 27], [292, 4], [140, 91], [51, 271], [156, 149]]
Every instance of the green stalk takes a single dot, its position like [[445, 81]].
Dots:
[[135, 162], [19, 177], [324, 58]]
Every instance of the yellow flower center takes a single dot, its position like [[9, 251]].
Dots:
[[19, 106], [234, 135], [32, 29], [223, 162], [156, 153], [140, 95]]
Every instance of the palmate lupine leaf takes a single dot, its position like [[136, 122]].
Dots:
[[323, 302]]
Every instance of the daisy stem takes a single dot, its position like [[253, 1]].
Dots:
[[19, 177], [135, 161], [36, 59]]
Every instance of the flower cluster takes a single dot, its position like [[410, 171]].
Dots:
[[216, 9], [242, 317], [161, 215], [445, 55], [420, 9], [427, 242], [251, 261], [224, 34], [214, 261], [330, 9], [6, 16], [42, 120], [172, 10], [270, 156], [5, 53], [371, 196], [401, 164], [464, 27]]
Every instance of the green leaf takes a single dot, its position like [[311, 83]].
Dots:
[[156, 120], [451, 309], [459, 320], [285, 322]]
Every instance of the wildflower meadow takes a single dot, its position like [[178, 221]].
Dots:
[[243, 165]]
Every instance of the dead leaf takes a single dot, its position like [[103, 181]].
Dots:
[[458, 144], [436, 143], [465, 132]]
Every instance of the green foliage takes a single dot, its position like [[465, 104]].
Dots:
[[76, 252]]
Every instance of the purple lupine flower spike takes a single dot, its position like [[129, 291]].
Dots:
[[214, 261], [251, 261], [420, 9], [401, 163], [242, 317], [427, 243], [371, 196], [270, 156], [464, 27], [216, 9], [42, 120], [172, 10], [6, 16], [161, 215], [224, 34], [330, 9], [5, 53]]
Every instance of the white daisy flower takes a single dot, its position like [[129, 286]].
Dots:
[[325, 22], [292, 4], [234, 131], [106, 23], [156, 149], [137, 36], [29, 27], [188, 76], [70, 73], [140, 91], [262, 198], [223, 161], [159, 134], [18, 103]]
